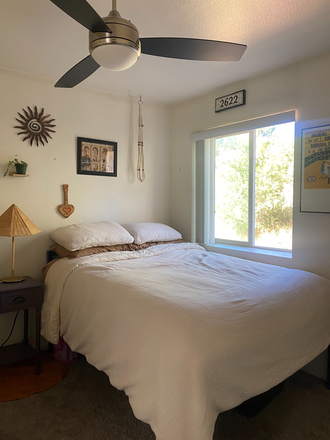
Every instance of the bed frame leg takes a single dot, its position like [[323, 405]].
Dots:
[[327, 383]]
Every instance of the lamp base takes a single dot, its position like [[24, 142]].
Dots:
[[12, 280]]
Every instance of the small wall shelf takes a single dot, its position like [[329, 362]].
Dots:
[[13, 174]]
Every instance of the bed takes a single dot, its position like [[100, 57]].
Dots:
[[186, 333]]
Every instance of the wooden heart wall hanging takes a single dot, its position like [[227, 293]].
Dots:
[[66, 210], [35, 126]]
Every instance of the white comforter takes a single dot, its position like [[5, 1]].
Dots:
[[185, 332]]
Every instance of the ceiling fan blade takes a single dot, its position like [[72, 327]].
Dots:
[[78, 73], [192, 49], [83, 13]]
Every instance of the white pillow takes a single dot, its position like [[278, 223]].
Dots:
[[146, 232], [86, 235]]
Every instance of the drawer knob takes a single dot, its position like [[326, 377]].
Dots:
[[18, 299]]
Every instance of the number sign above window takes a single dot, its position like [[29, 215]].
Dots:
[[230, 101]]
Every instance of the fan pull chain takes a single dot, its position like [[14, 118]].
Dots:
[[140, 164]]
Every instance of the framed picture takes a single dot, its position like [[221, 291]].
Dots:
[[315, 169], [96, 157]]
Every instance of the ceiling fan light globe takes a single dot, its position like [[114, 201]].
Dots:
[[115, 57]]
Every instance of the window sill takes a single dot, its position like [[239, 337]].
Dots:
[[257, 254]]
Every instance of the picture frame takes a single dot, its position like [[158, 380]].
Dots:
[[315, 166], [96, 157]]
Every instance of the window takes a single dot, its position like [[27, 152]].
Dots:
[[244, 185]]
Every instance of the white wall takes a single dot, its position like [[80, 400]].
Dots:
[[303, 86], [85, 113]]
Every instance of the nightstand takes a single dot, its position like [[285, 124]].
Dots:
[[24, 295]]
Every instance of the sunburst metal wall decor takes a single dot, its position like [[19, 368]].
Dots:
[[35, 126]]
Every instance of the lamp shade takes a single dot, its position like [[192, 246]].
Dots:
[[115, 57], [14, 222]]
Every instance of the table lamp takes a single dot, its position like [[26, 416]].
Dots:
[[13, 223]]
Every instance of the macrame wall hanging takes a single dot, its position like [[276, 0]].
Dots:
[[140, 164]]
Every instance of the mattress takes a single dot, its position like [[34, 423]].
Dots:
[[186, 333]]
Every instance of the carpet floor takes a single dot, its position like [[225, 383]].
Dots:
[[84, 406]]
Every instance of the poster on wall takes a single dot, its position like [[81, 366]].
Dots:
[[96, 157], [315, 173]]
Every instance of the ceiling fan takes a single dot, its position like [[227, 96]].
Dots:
[[115, 43]]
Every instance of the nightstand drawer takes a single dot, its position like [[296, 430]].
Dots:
[[10, 302]]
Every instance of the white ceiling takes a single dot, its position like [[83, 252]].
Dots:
[[38, 38]]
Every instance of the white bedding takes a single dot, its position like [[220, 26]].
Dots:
[[185, 332]]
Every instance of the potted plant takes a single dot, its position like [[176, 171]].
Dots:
[[20, 166]]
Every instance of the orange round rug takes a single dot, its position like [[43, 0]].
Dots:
[[18, 381]]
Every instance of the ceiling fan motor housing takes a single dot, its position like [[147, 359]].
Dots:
[[119, 49]]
